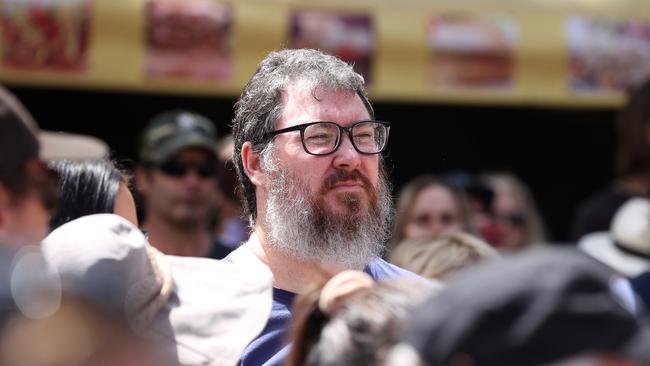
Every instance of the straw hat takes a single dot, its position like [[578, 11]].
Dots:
[[626, 247]]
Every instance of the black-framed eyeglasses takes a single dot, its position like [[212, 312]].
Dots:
[[324, 138], [174, 168]]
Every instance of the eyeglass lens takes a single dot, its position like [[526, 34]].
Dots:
[[323, 138]]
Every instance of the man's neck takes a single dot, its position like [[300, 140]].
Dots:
[[289, 273], [638, 184], [173, 239]]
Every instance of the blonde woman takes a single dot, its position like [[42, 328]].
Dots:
[[515, 212], [428, 207], [438, 258]]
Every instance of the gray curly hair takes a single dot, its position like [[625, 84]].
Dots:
[[260, 104]]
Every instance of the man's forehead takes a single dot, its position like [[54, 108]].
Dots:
[[193, 153], [302, 101], [311, 91]]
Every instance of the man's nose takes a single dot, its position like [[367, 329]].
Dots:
[[346, 156], [192, 177], [435, 226]]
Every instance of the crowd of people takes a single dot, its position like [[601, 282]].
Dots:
[[280, 244]]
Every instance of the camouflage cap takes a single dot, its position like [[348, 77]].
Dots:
[[171, 131]]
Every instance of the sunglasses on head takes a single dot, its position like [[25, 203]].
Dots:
[[174, 168]]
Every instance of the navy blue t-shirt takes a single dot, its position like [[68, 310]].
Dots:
[[641, 285], [271, 348]]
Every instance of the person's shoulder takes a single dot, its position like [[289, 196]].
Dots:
[[379, 269], [596, 212], [608, 198], [218, 250]]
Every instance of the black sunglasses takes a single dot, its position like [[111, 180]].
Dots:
[[515, 219], [204, 169]]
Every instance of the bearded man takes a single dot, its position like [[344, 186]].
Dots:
[[307, 152]]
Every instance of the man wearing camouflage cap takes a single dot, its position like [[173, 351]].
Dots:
[[176, 176]]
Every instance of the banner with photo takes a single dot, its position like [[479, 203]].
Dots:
[[474, 52], [45, 35], [188, 40], [607, 54], [348, 35]]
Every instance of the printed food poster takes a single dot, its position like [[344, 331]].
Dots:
[[188, 39], [45, 34], [350, 36], [607, 54], [472, 51]]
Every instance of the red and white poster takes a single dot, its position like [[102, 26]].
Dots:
[[45, 34], [188, 39], [350, 36], [607, 54], [472, 51]]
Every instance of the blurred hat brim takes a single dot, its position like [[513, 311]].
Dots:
[[166, 152], [71, 146], [601, 246]]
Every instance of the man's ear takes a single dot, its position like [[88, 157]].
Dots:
[[252, 164]]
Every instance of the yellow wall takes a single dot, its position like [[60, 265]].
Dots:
[[401, 54]]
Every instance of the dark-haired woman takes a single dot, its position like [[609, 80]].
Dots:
[[91, 187]]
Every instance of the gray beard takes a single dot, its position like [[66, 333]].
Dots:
[[304, 228]]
